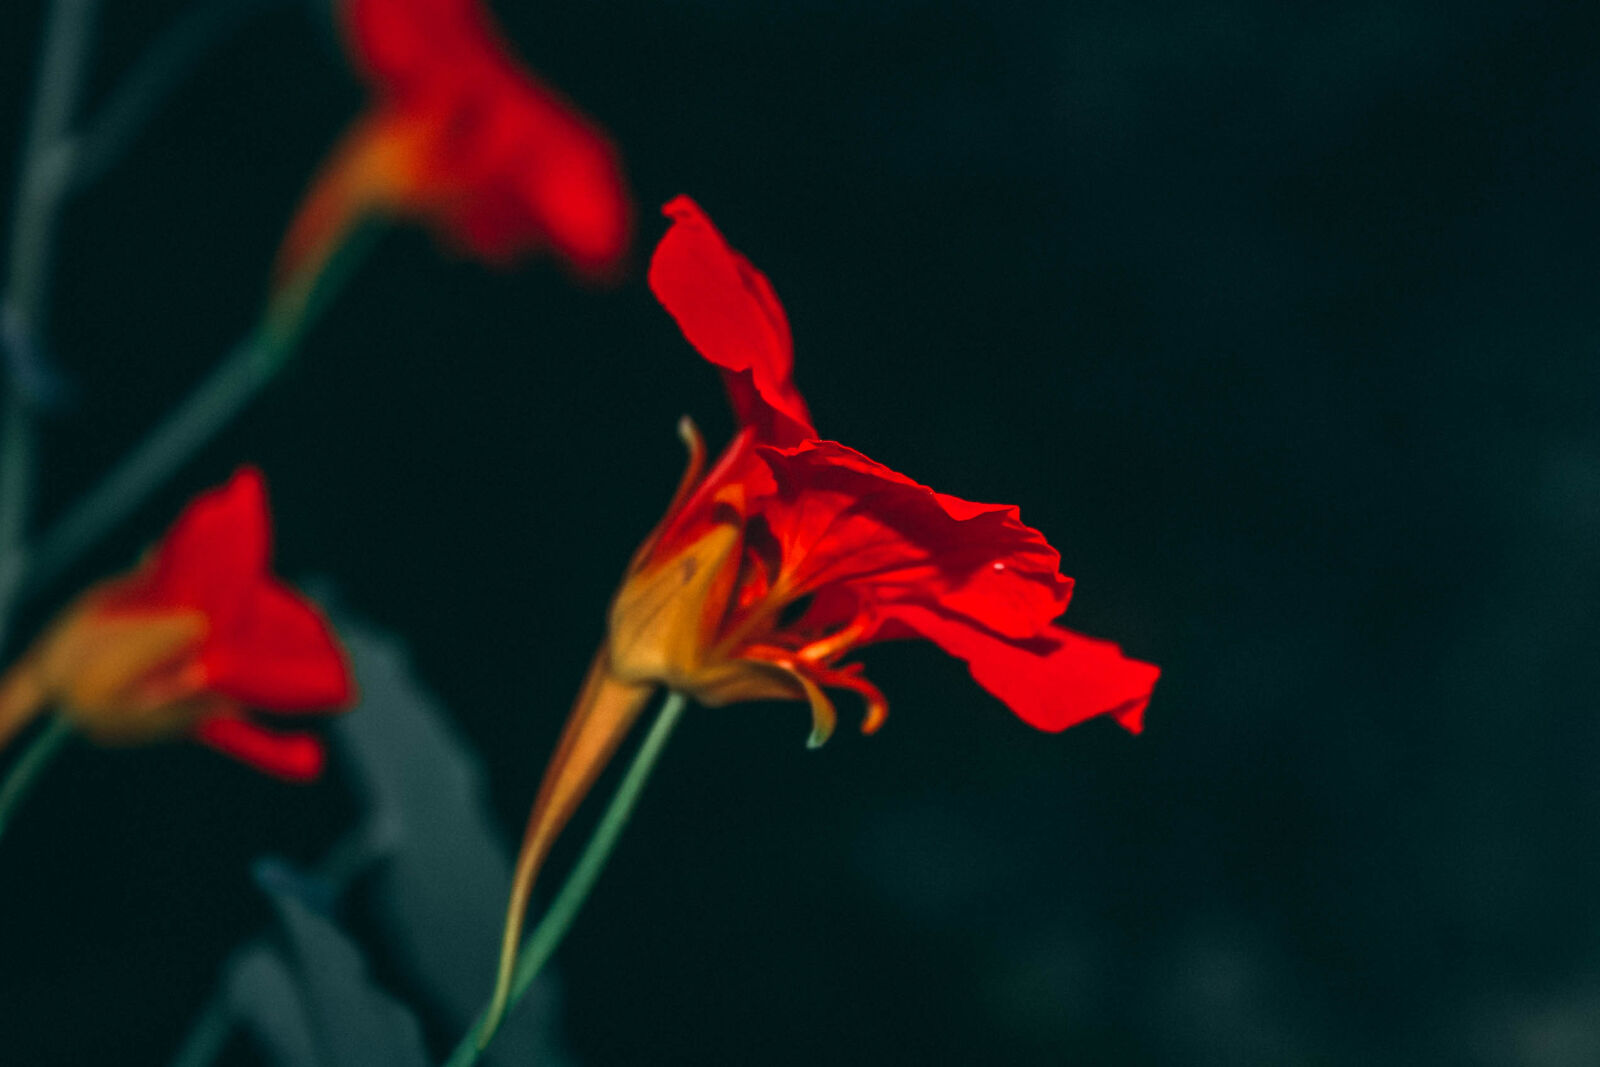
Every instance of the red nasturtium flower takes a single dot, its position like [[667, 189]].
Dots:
[[461, 136], [791, 552], [182, 645]]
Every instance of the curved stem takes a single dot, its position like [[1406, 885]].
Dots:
[[195, 421], [16, 485], [207, 1036], [350, 857], [42, 175], [160, 70], [249, 367], [34, 759], [542, 943], [42, 179]]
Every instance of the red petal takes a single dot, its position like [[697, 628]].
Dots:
[[294, 757], [407, 45], [843, 520], [507, 166], [729, 313], [542, 172], [280, 655], [1054, 681], [216, 551]]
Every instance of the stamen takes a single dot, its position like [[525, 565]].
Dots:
[[834, 645], [850, 678], [694, 466], [823, 716], [689, 434], [697, 488]]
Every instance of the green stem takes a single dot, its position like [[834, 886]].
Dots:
[[350, 857], [34, 759], [16, 483], [159, 70], [207, 1037], [564, 908], [243, 373], [42, 180], [195, 421], [45, 167]]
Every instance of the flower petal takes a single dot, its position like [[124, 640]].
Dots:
[[606, 709], [845, 520], [293, 757], [729, 313], [497, 161], [215, 552], [408, 46], [541, 172], [280, 655], [1052, 682]]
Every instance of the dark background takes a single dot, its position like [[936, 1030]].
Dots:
[[1280, 321]]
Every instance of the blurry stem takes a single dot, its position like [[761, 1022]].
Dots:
[[16, 477], [564, 908], [42, 175], [210, 407], [34, 759], [350, 857], [207, 1037], [160, 69], [242, 374], [42, 180]]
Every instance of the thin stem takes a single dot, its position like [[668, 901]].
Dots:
[[16, 484], [160, 70], [242, 374], [542, 943], [34, 759], [43, 172], [60, 76], [42, 177], [195, 421], [350, 857], [207, 1036]]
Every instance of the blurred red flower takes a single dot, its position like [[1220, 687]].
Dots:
[[458, 134], [188, 640], [791, 552]]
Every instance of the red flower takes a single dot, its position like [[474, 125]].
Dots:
[[791, 552], [183, 644], [461, 136], [828, 551]]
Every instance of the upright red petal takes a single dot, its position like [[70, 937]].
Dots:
[[280, 655], [1053, 681], [216, 551], [729, 313]]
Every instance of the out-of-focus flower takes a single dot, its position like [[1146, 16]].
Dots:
[[459, 135], [790, 553], [199, 632]]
